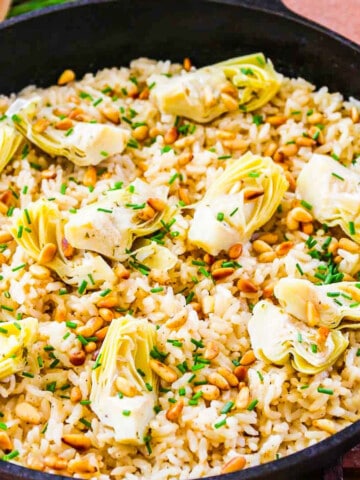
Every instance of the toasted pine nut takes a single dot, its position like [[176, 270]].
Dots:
[[56, 463], [229, 376], [354, 114], [187, 64], [184, 196], [218, 380], [106, 314], [348, 245], [141, 132], [211, 351], [73, 115], [163, 371], [240, 372], [195, 306], [41, 125], [47, 253], [233, 465], [301, 215], [112, 114], [248, 358], [125, 387], [60, 313], [77, 357], [209, 392], [246, 286], [314, 118], [185, 141], [75, 395], [144, 94], [266, 257], [278, 156], [27, 413], [270, 238], [209, 259], [289, 150], [312, 314], [260, 246], [171, 135], [38, 271], [268, 291], [177, 321], [307, 228], [291, 223], [64, 124], [77, 440], [185, 158], [276, 120], [132, 90], [66, 77], [107, 302], [225, 135], [305, 142], [121, 272], [157, 204], [48, 174], [90, 347], [242, 399], [236, 144], [252, 193], [90, 177], [325, 424], [317, 133], [230, 89], [338, 259], [81, 466], [230, 102], [223, 272], [101, 334], [68, 250], [174, 411], [270, 149], [322, 334], [91, 326], [147, 213], [5, 237], [5, 442], [284, 248], [34, 463], [235, 251]]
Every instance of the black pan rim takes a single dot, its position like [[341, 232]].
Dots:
[[338, 442]]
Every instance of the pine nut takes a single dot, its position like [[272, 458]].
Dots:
[[187, 64], [211, 351], [177, 321], [77, 440], [64, 124], [38, 271], [34, 463], [5, 237], [184, 196], [229, 376], [291, 223], [107, 302], [209, 392], [90, 347], [66, 77], [266, 257], [101, 334], [225, 135], [5, 442], [67, 249], [236, 144], [270, 238], [163, 371], [185, 158], [144, 94], [121, 272], [233, 465], [270, 149], [301, 215], [56, 463], [305, 142], [27, 413], [185, 142], [278, 156], [307, 228], [75, 395], [248, 358], [252, 193], [289, 150], [91, 326], [276, 120], [141, 132], [242, 399], [132, 90], [106, 314], [174, 412], [240, 372], [230, 102], [157, 204], [40, 125], [171, 135], [354, 114], [348, 245], [147, 213], [47, 253], [246, 286], [314, 118], [312, 314], [60, 313], [81, 466], [90, 177], [235, 251], [77, 357], [284, 248], [73, 115], [322, 334], [268, 291], [229, 88], [3, 208], [48, 174], [112, 114], [218, 380], [223, 272], [260, 246], [325, 424], [125, 387], [209, 259]]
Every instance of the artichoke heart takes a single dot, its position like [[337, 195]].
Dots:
[[124, 388], [332, 302], [111, 225], [84, 144], [245, 196], [10, 141], [15, 340], [276, 337], [247, 82], [335, 196], [41, 225]]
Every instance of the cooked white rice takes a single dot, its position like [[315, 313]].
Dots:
[[284, 419]]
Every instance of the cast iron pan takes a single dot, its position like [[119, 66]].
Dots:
[[92, 34]]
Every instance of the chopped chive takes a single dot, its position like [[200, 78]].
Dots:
[[10, 211], [175, 343], [189, 298], [126, 413], [85, 422], [254, 174], [105, 292], [97, 363], [173, 178], [220, 424], [352, 228], [258, 120], [135, 206], [71, 324], [82, 287], [104, 210], [299, 337], [132, 143], [157, 289], [333, 294], [3, 426], [198, 366], [306, 205], [199, 263], [54, 363], [300, 270], [338, 302], [5, 307], [326, 243], [197, 343], [337, 176], [335, 157], [227, 407], [234, 211], [220, 216], [303, 387], [104, 154], [97, 102], [69, 132], [67, 335], [3, 330], [313, 347], [19, 267], [63, 188], [11, 455], [51, 387], [327, 391], [204, 272], [152, 85], [260, 375], [224, 157], [28, 374], [63, 291], [358, 352], [149, 387], [40, 361], [354, 305], [252, 405], [182, 391]]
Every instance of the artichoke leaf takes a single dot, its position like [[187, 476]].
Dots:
[[15, 340], [278, 338], [110, 225], [124, 353], [232, 195], [10, 141], [41, 223], [335, 195], [153, 255], [247, 82], [84, 144], [333, 302]]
